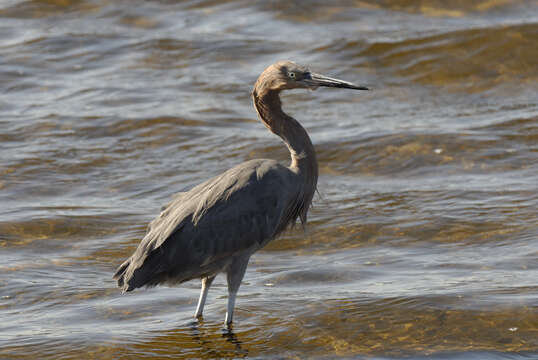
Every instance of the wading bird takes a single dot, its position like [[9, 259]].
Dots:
[[216, 226]]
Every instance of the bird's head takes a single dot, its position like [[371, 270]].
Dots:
[[285, 75]]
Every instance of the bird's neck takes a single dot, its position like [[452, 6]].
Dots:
[[303, 155]]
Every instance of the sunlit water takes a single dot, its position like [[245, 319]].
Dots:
[[422, 243]]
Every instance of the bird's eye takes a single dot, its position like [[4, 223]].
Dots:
[[291, 74]]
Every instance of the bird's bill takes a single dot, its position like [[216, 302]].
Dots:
[[316, 80]]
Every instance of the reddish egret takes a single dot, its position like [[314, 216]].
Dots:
[[216, 226]]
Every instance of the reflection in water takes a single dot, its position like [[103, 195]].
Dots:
[[207, 340], [200, 334], [421, 244], [230, 336]]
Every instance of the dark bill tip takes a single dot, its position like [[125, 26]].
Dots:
[[321, 80]]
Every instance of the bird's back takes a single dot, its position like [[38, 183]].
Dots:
[[200, 231]]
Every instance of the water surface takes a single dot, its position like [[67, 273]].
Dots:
[[422, 243]]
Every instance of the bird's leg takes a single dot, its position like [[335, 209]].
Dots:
[[206, 283], [234, 275]]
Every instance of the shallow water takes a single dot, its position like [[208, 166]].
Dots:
[[422, 243]]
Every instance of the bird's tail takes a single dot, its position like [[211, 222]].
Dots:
[[119, 275], [136, 272]]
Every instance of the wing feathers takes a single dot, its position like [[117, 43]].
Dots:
[[238, 211]]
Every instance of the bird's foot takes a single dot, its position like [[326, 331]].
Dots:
[[228, 320]]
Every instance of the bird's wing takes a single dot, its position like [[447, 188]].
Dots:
[[164, 209], [237, 211]]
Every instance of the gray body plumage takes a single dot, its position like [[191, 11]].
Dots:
[[216, 226], [200, 231]]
